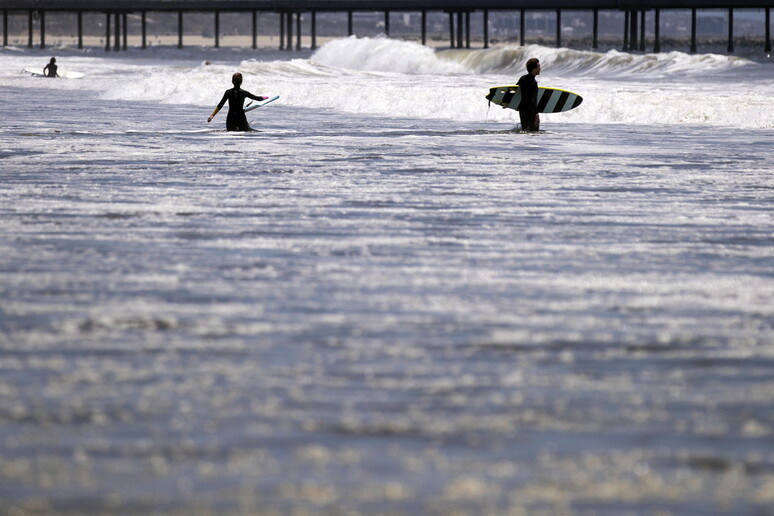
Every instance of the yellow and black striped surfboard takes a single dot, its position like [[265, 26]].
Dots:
[[550, 100]]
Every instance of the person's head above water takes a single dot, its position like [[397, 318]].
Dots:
[[532, 64], [53, 60], [236, 80]]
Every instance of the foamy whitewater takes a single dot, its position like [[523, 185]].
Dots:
[[386, 300]]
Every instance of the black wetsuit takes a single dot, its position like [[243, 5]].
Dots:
[[236, 119], [528, 106], [50, 70]]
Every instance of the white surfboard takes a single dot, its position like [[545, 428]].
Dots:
[[66, 74], [256, 105], [549, 100]]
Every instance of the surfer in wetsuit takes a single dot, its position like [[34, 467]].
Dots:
[[528, 111], [236, 119], [50, 69]]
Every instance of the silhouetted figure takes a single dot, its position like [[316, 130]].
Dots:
[[50, 69], [236, 119], [528, 110]]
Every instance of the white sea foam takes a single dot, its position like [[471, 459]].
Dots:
[[386, 55], [584, 63], [404, 79]]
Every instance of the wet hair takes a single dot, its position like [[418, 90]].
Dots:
[[53, 60], [236, 80], [532, 64]]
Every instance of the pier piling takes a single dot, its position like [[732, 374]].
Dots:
[[635, 12]]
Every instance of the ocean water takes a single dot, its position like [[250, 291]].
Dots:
[[386, 300]]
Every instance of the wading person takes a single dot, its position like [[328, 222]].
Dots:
[[236, 119], [50, 69], [528, 111]]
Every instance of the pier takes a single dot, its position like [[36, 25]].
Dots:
[[637, 15]]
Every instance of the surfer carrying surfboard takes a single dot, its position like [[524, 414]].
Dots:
[[50, 69], [236, 119], [528, 108]]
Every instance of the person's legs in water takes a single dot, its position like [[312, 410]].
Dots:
[[237, 123], [528, 121]]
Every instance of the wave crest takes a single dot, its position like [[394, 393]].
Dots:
[[382, 54], [386, 55], [511, 60]]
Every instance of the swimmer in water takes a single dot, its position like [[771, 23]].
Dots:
[[50, 69]]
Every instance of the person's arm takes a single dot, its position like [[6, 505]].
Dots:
[[525, 88], [533, 93], [220, 106], [251, 96], [254, 97], [537, 114]]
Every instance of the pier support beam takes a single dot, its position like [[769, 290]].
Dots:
[[657, 31], [5, 27], [633, 30], [282, 31], [350, 30], [595, 35], [217, 29], [642, 31], [451, 29], [107, 32], [29, 29], [387, 23], [289, 31], [558, 28], [467, 29], [522, 27], [486, 28], [117, 34], [314, 30], [42, 29], [626, 31], [459, 29], [767, 49], [731, 30], [694, 48], [298, 31], [255, 28], [125, 40], [180, 29], [80, 30]]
